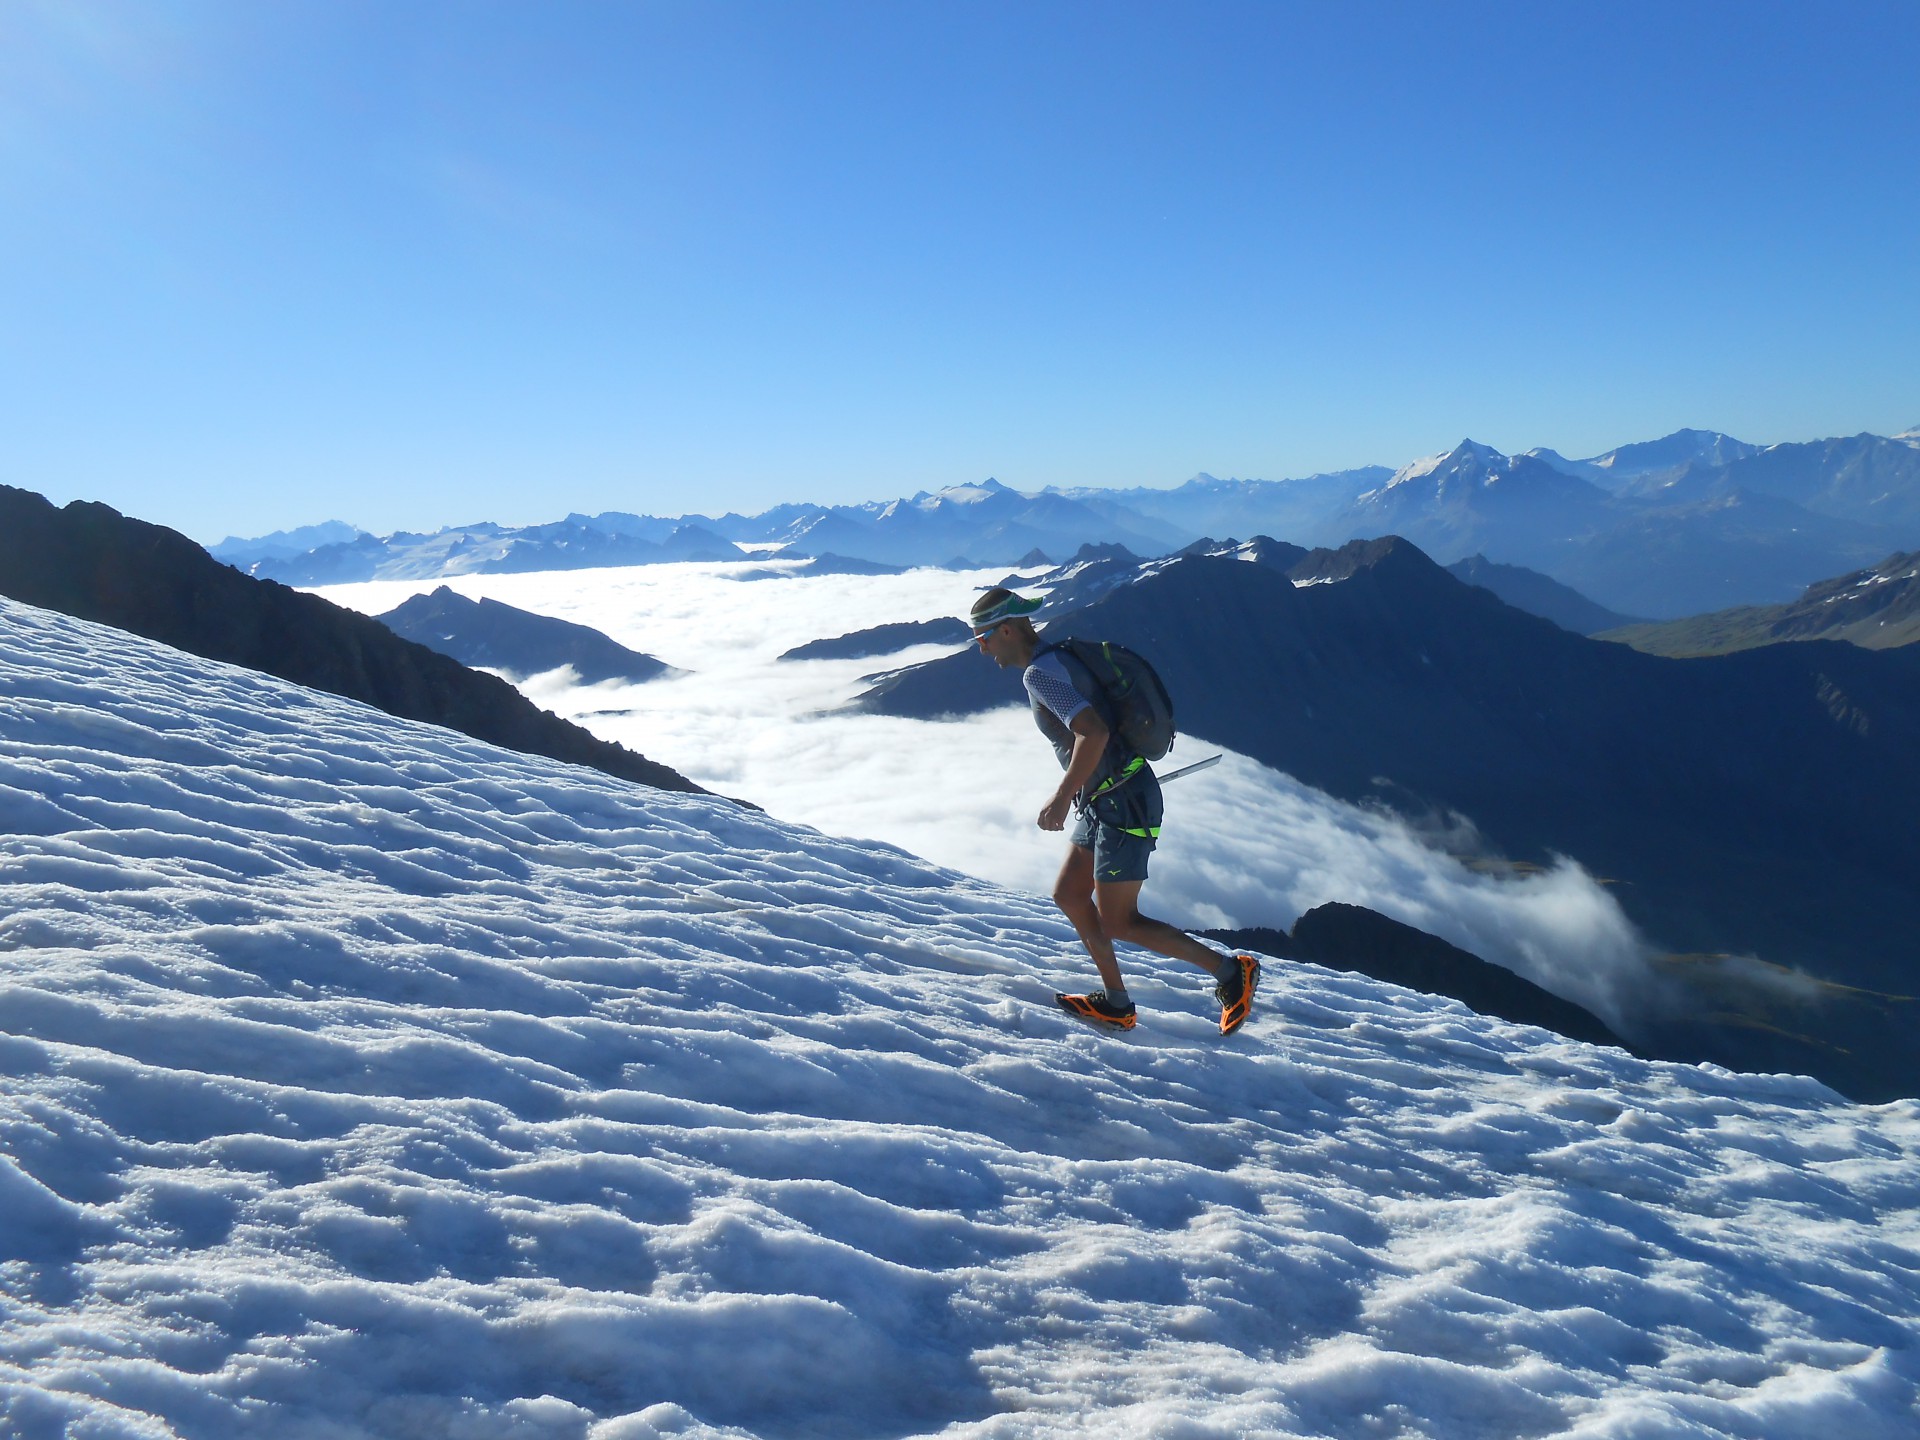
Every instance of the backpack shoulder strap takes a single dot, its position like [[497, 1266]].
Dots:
[[1088, 681]]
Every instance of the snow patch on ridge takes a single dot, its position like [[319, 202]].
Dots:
[[1418, 469]]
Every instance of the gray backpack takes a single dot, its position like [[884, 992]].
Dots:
[[1138, 708]]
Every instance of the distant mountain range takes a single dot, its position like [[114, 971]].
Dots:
[[1691, 522], [1751, 804], [571, 544], [284, 544]]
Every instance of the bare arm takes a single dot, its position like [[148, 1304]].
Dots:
[[1089, 744]]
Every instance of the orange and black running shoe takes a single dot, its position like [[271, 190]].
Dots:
[[1097, 1009], [1235, 994]]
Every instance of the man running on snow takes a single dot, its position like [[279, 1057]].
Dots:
[[1117, 800]]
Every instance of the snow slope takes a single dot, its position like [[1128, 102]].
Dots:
[[361, 1080]]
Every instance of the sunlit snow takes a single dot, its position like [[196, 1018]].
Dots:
[[362, 1080]]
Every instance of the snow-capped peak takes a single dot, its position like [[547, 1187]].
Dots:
[[1711, 447], [1468, 458], [969, 494]]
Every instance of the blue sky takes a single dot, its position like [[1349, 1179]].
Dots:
[[417, 264]]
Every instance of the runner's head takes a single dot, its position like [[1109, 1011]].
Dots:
[[1001, 628], [1000, 606]]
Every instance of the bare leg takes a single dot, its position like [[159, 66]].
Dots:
[[1073, 892], [1117, 913]]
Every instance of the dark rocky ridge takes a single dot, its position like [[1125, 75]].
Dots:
[[1877, 607], [517, 642], [90, 561], [882, 640], [1353, 938], [1538, 594]]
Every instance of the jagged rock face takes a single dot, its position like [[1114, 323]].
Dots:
[[90, 561], [516, 642]]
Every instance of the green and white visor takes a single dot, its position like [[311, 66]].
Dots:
[[1011, 608]]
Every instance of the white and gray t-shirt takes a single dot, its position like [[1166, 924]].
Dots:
[[1058, 689], [1055, 697]]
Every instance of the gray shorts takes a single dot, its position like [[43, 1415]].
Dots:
[[1111, 827]]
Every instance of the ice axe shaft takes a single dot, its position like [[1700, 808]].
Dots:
[[1188, 769]]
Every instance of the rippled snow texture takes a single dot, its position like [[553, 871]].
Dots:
[[361, 1080]]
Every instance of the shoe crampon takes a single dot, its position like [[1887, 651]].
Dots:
[[1096, 1009], [1235, 994]]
